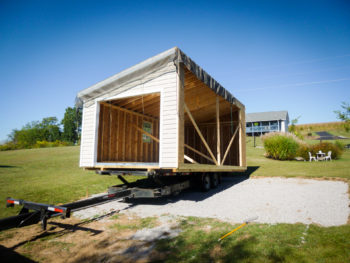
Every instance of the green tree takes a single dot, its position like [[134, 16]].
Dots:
[[46, 130], [292, 128], [71, 124], [344, 115], [50, 129]]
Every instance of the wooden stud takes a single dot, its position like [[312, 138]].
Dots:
[[124, 135], [141, 141], [242, 143], [110, 134], [229, 145], [129, 111], [200, 134], [118, 134], [186, 157], [218, 142], [151, 144], [199, 153], [147, 133], [132, 140], [129, 136]]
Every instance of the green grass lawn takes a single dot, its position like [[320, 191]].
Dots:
[[269, 167], [256, 243]]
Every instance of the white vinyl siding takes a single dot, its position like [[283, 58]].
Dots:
[[169, 125], [166, 84], [88, 135]]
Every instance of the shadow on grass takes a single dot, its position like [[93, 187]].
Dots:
[[8, 166], [10, 256], [206, 249], [67, 228]]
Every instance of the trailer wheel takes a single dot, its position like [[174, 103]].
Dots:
[[214, 180], [206, 182]]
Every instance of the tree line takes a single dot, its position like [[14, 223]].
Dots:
[[48, 132]]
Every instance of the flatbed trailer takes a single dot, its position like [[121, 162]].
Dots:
[[153, 186]]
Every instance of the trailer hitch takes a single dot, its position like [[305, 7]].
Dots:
[[42, 212]]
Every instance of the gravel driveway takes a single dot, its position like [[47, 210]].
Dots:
[[273, 200]]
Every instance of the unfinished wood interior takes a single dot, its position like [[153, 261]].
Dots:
[[201, 104], [129, 130]]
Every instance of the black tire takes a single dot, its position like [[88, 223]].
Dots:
[[206, 182], [214, 178]]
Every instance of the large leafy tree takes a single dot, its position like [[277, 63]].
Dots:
[[71, 124], [50, 128], [46, 130]]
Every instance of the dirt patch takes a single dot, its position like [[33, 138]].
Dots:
[[74, 240], [216, 251]]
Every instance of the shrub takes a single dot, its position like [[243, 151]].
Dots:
[[304, 149], [281, 146], [327, 146], [8, 146], [45, 144], [340, 144]]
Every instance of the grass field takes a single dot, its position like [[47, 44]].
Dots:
[[268, 167], [256, 243], [52, 175]]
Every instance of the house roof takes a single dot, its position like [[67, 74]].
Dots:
[[141, 73], [267, 116]]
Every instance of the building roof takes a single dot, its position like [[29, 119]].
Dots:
[[267, 116], [137, 74]]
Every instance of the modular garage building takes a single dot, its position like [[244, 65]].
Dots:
[[164, 114]]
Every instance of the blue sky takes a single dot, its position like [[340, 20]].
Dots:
[[271, 55]]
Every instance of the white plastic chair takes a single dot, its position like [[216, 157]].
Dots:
[[312, 157], [329, 156]]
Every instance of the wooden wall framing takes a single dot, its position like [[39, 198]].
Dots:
[[120, 131], [213, 129]]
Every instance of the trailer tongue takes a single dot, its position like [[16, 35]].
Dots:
[[32, 213]]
